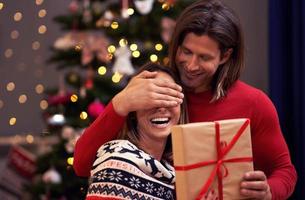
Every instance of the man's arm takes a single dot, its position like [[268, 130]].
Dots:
[[142, 92], [277, 176]]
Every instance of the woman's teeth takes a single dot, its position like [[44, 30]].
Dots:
[[161, 120]]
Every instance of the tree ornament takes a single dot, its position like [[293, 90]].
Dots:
[[56, 120], [95, 108], [51, 176], [122, 62], [73, 6], [95, 45], [87, 17], [144, 6]]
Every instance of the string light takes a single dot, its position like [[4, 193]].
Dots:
[[133, 47], [1, 6], [42, 29], [70, 160], [78, 47], [136, 54], [153, 58], [35, 45], [114, 25], [39, 88], [22, 98], [130, 11], [10, 86], [165, 6], [42, 13], [12, 121], [74, 98], [111, 49], [29, 138], [17, 16], [123, 42], [102, 70], [8, 53], [116, 77], [158, 47], [14, 34], [83, 115], [43, 104]]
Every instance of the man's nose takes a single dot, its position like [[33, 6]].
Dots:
[[193, 64]]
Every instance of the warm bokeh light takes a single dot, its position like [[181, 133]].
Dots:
[[22, 98], [114, 25], [17, 16], [8, 53], [78, 47], [116, 77], [153, 58], [12, 121], [83, 115], [123, 42], [1, 104], [35, 45], [1, 6], [39, 2], [74, 98], [158, 47], [29, 138], [130, 11], [10, 86], [70, 160], [42, 13], [43, 104], [136, 54], [165, 6], [42, 29], [111, 49], [133, 47], [39, 88], [102, 70], [14, 34]]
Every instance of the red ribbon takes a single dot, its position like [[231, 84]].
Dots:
[[221, 153]]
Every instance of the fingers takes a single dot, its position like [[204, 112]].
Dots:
[[147, 74], [164, 83], [255, 185], [255, 175]]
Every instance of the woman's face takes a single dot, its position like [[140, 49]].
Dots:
[[156, 123]]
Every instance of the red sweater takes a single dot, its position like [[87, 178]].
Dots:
[[270, 152]]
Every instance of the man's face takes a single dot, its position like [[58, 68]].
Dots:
[[197, 59]]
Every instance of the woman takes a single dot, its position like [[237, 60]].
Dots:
[[139, 164]]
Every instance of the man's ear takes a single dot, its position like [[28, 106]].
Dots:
[[226, 56]]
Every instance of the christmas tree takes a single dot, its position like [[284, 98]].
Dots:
[[102, 45]]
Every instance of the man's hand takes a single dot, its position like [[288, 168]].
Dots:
[[146, 92], [255, 186]]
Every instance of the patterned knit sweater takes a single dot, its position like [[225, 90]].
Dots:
[[123, 171]]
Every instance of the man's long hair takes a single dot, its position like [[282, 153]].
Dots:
[[219, 22]]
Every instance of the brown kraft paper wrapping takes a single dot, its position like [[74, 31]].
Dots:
[[196, 156]]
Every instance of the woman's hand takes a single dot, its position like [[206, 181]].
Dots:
[[255, 186], [144, 91]]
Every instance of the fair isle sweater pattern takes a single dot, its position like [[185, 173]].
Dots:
[[123, 171]]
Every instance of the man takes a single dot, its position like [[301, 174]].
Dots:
[[207, 51]]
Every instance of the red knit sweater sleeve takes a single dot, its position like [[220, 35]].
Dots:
[[103, 129], [271, 151]]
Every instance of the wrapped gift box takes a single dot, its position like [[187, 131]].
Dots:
[[211, 155]]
